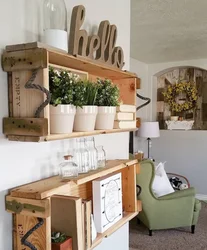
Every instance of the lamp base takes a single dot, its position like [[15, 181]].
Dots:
[[149, 147]]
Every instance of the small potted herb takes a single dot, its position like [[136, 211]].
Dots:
[[62, 110], [85, 93], [60, 241], [107, 100]]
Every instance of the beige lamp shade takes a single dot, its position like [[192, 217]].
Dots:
[[149, 130]]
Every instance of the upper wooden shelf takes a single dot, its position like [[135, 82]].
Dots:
[[52, 55], [54, 137], [20, 60]]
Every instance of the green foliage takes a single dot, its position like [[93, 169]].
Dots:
[[61, 86], [91, 93], [58, 237], [108, 93], [67, 88], [85, 93]]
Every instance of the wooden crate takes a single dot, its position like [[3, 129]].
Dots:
[[21, 60], [54, 201]]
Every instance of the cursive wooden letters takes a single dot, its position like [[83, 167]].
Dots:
[[104, 34], [99, 47], [78, 38]]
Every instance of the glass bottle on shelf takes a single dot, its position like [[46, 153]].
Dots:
[[101, 157], [93, 153], [55, 24], [81, 156], [68, 168]]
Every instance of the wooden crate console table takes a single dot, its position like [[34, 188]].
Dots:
[[40, 201], [20, 61]]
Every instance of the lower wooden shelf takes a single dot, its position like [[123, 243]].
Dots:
[[60, 206], [126, 218]]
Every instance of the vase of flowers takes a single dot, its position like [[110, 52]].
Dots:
[[107, 100], [85, 94], [62, 110]]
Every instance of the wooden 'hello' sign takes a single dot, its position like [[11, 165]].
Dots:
[[100, 47]]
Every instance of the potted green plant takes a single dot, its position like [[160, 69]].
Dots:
[[60, 241], [62, 110], [85, 93], [107, 100]]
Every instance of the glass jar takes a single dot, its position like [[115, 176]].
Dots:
[[93, 153], [101, 157], [68, 168], [81, 156], [55, 24]]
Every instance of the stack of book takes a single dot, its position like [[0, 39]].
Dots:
[[125, 117]]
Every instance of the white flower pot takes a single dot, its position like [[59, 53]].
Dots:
[[85, 118], [62, 119], [105, 117]]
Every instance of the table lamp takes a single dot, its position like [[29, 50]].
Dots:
[[149, 130]]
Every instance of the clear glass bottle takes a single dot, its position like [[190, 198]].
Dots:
[[81, 155], [101, 157], [55, 24], [68, 168], [93, 153]]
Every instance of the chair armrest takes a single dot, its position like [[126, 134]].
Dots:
[[179, 194]]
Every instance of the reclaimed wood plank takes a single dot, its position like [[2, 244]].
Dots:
[[42, 205], [25, 60], [25, 126]]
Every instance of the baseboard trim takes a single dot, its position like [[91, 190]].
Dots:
[[202, 197]]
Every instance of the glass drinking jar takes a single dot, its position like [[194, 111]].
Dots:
[[55, 24], [68, 168], [81, 156], [101, 157], [93, 153]]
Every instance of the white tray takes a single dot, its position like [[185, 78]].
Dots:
[[182, 125]]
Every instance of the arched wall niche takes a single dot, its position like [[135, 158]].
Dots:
[[172, 75]]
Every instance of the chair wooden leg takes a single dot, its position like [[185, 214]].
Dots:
[[150, 232], [138, 221], [193, 229]]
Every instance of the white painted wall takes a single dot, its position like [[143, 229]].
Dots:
[[184, 151], [21, 163]]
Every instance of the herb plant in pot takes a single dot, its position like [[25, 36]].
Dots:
[[60, 241], [107, 100], [62, 110], [85, 93]]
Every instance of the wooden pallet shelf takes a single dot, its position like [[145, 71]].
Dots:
[[21, 60], [53, 137], [59, 57], [44, 198]]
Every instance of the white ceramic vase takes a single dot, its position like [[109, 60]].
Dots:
[[62, 119], [105, 117], [56, 38], [85, 118]]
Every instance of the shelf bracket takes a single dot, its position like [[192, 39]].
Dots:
[[17, 207]]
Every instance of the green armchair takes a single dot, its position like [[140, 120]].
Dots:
[[178, 209]]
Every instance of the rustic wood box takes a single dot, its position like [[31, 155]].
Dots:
[[54, 202], [21, 62]]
